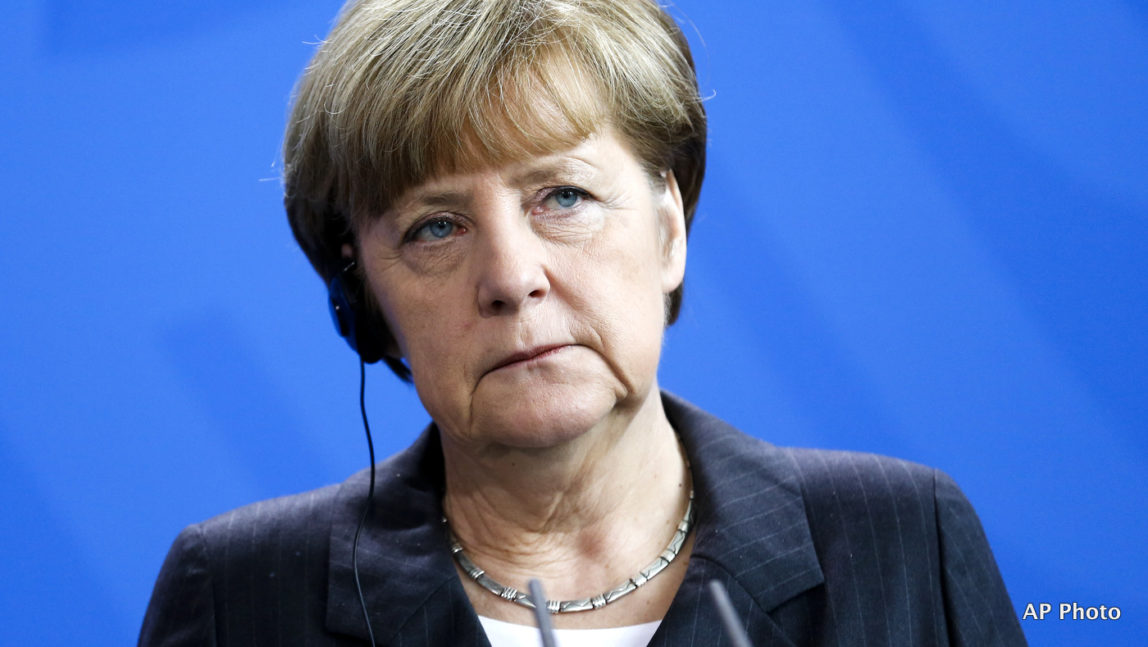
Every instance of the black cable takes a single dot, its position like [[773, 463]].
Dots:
[[370, 498]]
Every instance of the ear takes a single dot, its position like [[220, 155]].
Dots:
[[672, 233]]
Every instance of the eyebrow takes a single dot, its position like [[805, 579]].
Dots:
[[445, 198], [572, 169]]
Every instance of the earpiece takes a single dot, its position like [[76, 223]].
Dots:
[[351, 323], [354, 322]]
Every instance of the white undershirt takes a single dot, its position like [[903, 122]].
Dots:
[[507, 634]]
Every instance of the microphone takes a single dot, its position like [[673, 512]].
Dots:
[[541, 613], [718, 595], [733, 629]]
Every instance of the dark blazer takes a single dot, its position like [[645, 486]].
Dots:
[[815, 548]]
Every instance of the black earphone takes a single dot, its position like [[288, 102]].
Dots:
[[352, 326], [344, 293], [355, 323]]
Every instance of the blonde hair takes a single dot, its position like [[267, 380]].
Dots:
[[402, 90]]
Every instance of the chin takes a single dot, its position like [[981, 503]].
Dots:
[[545, 416]]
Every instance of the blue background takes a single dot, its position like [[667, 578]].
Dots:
[[924, 234]]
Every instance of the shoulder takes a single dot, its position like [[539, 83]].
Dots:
[[309, 519], [281, 564], [893, 544], [841, 484], [850, 503], [271, 536], [725, 454], [283, 520], [223, 576], [854, 500], [856, 477], [263, 541]]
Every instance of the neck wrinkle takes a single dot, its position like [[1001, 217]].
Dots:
[[583, 517]]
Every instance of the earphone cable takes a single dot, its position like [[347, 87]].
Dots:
[[370, 498]]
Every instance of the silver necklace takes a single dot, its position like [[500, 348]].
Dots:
[[512, 594]]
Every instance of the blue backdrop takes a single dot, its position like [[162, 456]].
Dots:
[[924, 234]]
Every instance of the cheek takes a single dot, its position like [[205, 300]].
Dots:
[[622, 280], [412, 316], [431, 335], [628, 260]]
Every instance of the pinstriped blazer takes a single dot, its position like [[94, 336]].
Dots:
[[815, 548]]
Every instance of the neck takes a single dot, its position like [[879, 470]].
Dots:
[[583, 516]]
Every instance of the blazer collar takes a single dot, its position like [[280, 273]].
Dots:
[[404, 556], [751, 519], [751, 525]]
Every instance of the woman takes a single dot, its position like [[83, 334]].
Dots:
[[499, 194]]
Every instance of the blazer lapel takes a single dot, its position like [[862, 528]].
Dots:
[[405, 567], [752, 531]]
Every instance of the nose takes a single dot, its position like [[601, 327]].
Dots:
[[510, 266]]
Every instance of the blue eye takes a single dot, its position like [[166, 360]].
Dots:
[[437, 229], [567, 197]]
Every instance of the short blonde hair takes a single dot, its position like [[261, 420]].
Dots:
[[402, 90]]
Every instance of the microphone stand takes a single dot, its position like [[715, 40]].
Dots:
[[733, 629], [541, 613]]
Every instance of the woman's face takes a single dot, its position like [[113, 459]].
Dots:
[[528, 299]]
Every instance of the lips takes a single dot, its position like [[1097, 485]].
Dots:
[[527, 355]]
